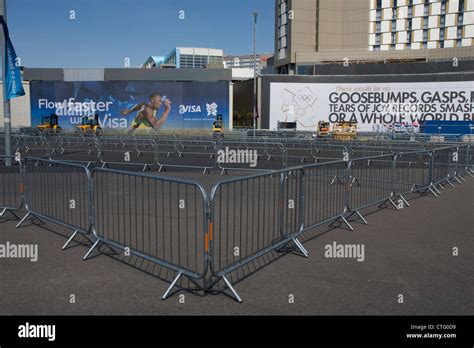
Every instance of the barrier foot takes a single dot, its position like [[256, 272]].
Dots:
[[229, 285], [205, 171], [404, 200], [24, 219], [344, 220], [393, 203], [175, 280], [389, 200], [70, 239], [449, 182], [470, 172], [359, 215], [300, 247], [434, 193], [461, 177], [86, 256], [10, 211], [457, 179], [438, 191]]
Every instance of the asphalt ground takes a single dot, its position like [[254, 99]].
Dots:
[[407, 252]]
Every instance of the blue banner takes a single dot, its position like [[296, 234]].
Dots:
[[132, 105], [12, 79]]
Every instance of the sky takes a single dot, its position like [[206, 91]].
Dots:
[[104, 33]]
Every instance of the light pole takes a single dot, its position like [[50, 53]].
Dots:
[[6, 102], [255, 15]]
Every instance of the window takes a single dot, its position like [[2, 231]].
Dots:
[[377, 39], [378, 15], [425, 35], [394, 38], [459, 33], [442, 21], [379, 4], [459, 42], [441, 34], [378, 27], [377, 48], [425, 23], [443, 7], [394, 25], [410, 11]]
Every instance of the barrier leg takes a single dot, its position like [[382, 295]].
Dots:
[[449, 182], [344, 220], [404, 200], [389, 200], [86, 256], [70, 239], [167, 292], [300, 247], [10, 211], [359, 215], [229, 285], [24, 219], [432, 191]]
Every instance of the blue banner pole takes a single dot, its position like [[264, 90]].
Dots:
[[6, 102]]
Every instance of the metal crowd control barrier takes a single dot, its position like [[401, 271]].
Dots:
[[370, 182], [411, 173], [11, 185], [162, 220], [325, 193], [173, 223], [59, 192], [443, 168], [252, 216]]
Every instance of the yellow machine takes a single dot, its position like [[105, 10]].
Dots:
[[345, 130], [218, 125], [323, 129], [49, 124], [90, 126]]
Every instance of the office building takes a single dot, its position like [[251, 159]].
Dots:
[[312, 32]]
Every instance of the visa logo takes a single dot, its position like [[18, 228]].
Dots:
[[183, 109]]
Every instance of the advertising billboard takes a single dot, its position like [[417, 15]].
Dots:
[[131, 105], [374, 106]]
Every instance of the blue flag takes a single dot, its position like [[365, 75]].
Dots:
[[12, 80]]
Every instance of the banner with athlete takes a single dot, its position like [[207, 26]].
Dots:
[[132, 105]]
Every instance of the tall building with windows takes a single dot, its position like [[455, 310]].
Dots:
[[312, 32], [418, 24]]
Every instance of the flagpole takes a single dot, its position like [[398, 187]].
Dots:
[[6, 102]]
